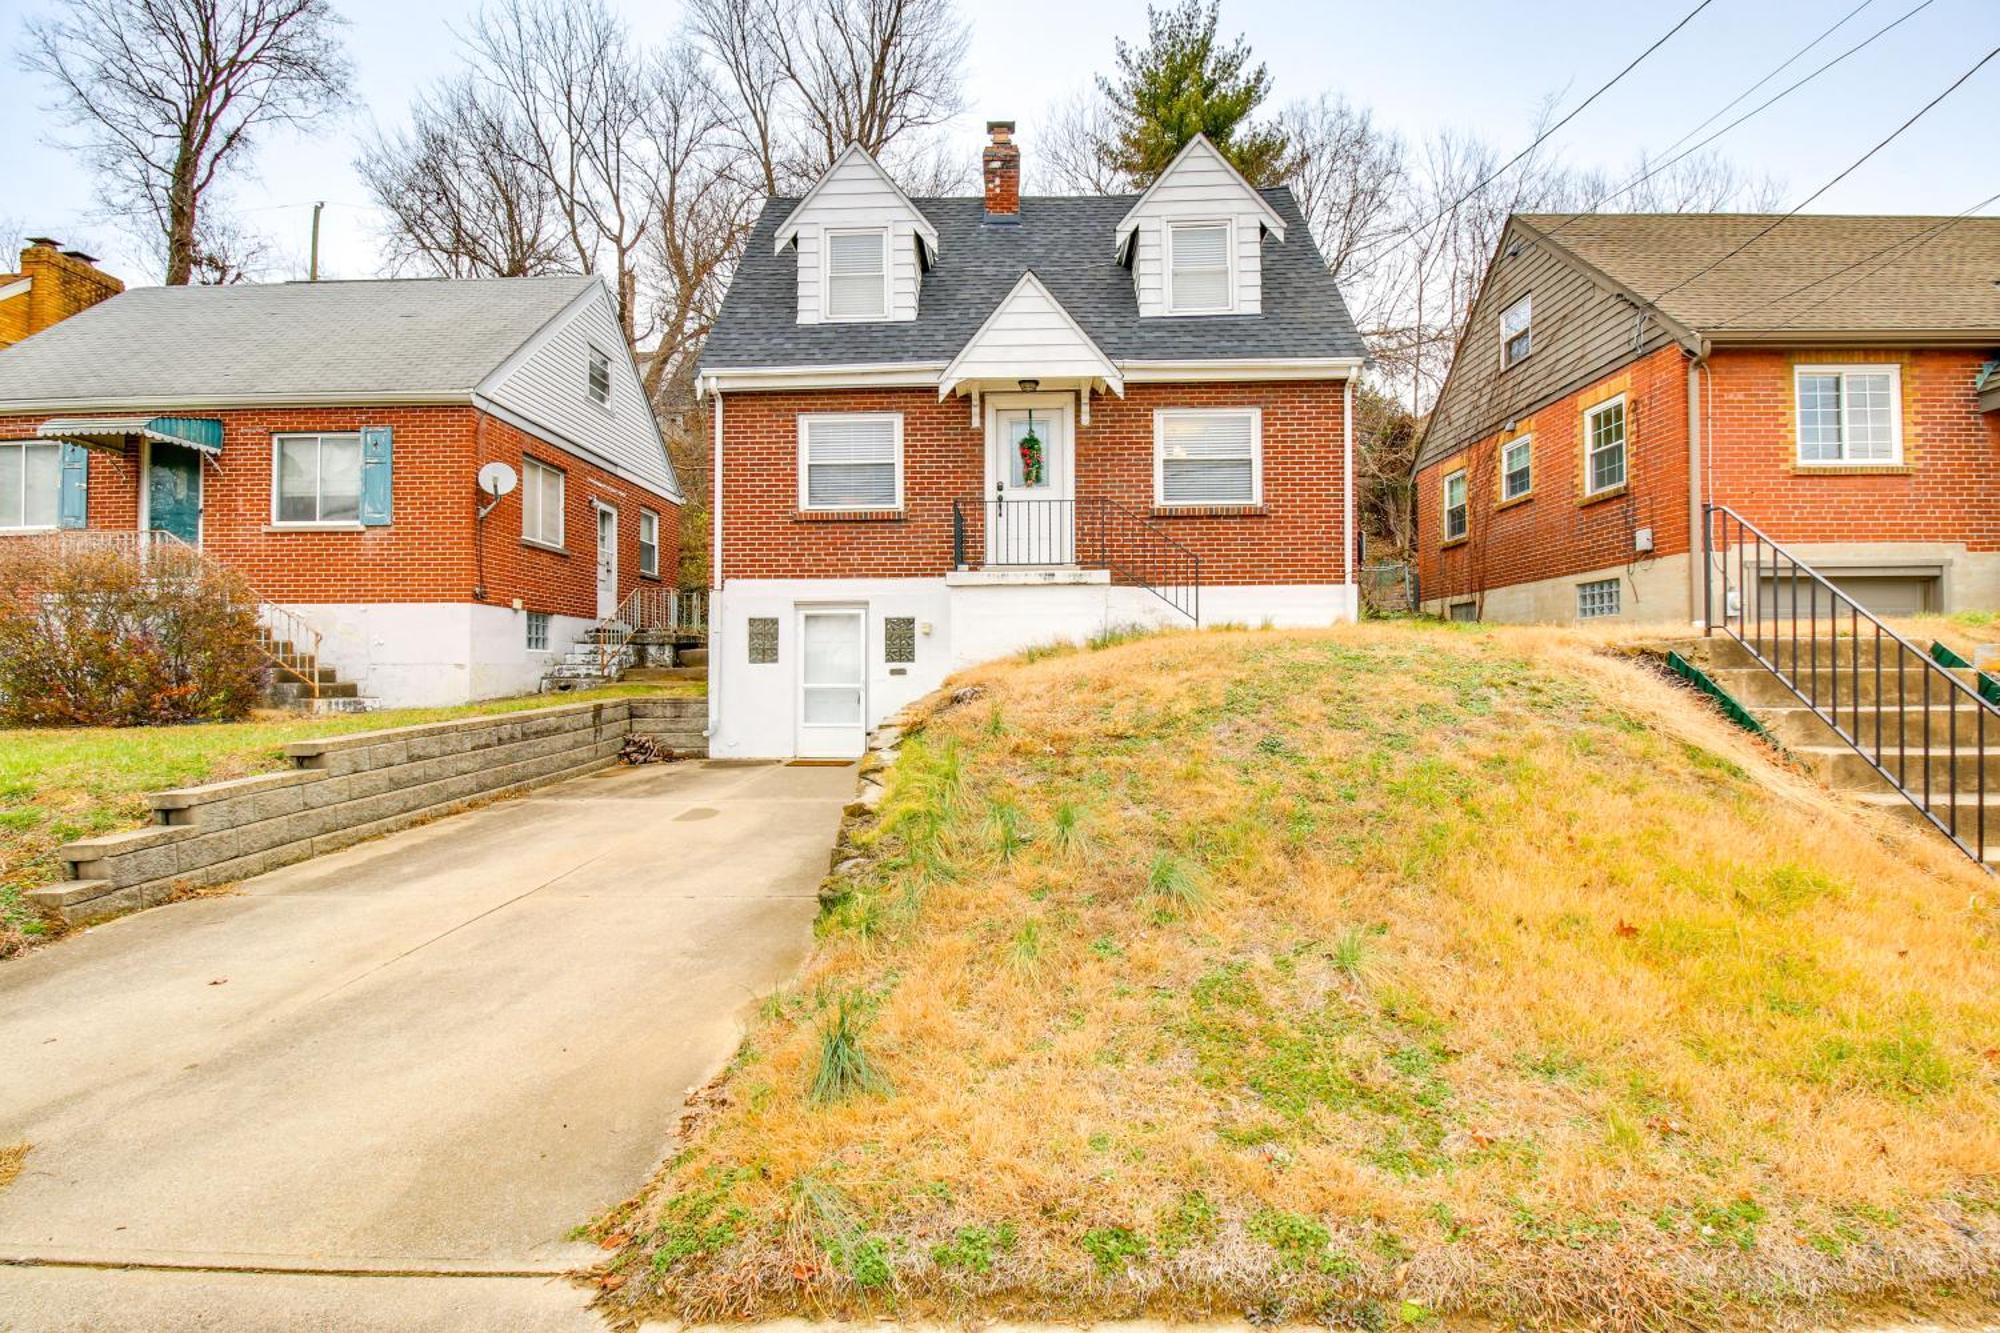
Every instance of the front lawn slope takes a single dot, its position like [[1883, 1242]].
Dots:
[[1368, 975]]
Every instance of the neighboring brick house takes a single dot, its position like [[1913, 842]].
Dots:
[[1829, 378], [946, 429], [324, 439], [53, 284]]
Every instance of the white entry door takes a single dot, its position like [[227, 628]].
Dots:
[[1030, 484], [607, 562], [833, 684]]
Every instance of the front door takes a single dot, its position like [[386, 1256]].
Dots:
[[833, 684], [607, 563], [1030, 485], [173, 491]]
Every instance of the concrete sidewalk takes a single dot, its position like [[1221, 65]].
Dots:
[[435, 1053]]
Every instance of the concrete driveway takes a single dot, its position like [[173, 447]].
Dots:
[[431, 1054]]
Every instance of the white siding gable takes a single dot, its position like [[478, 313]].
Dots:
[[1029, 336], [857, 194], [545, 386], [1200, 186]]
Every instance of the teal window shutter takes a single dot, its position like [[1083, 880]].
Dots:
[[375, 485], [73, 506]]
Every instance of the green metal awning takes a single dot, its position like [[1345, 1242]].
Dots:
[[203, 433]]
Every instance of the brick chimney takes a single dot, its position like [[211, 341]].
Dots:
[[1001, 163], [53, 284]]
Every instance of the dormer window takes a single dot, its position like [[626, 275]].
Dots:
[[597, 379], [857, 275], [1198, 268]]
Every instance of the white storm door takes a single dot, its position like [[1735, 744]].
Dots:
[[1030, 487], [833, 684], [607, 563]]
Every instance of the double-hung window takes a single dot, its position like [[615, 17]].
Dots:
[[597, 377], [1517, 331], [649, 543], [1198, 269], [1457, 517], [1208, 457], [1604, 447], [541, 503], [30, 484], [851, 461], [857, 275], [316, 479], [1850, 414], [1517, 467]]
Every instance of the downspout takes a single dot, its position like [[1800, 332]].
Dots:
[[1697, 522], [1347, 493], [715, 618]]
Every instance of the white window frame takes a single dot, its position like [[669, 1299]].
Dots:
[[649, 519], [885, 235], [1518, 442], [591, 358], [319, 499], [1590, 415], [1617, 591], [1228, 226], [1507, 362], [17, 521], [804, 428], [1895, 373], [1160, 418], [528, 467], [1460, 476]]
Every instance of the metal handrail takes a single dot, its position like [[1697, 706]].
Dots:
[[1093, 533], [648, 608], [1744, 619]]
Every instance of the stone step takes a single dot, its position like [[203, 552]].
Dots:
[[1794, 724], [1755, 686], [1967, 808], [691, 657], [646, 675], [1842, 768]]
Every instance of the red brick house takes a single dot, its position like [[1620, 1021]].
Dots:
[[948, 428], [1829, 378], [324, 440]]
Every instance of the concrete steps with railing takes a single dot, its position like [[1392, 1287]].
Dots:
[[300, 680]]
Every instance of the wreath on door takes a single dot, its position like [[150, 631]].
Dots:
[[1031, 455]]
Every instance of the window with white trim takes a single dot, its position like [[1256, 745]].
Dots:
[[649, 543], [1517, 331], [538, 631], [851, 460], [857, 275], [1517, 467], [541, 503], [1850, 414], [316, 479], [597, 379], [30, 484], [1457, 515], [1598, 599], [1198, 269], [1207, 456], [1604, 446]]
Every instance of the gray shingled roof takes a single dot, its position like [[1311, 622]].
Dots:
[[1891, 274], [292, 341], [1068, 242]]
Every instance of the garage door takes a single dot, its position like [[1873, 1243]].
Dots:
[[1883, 594]]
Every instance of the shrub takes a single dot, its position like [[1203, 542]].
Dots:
[[91, 636]]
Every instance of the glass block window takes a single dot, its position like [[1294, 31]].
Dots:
[[1456, 517], [1850, 414], [1199, 283], [538, 631], [1517, 468], [850, 461], [1208, 457], [1517, 331], [763, 640], [1604, 446], [1596, 600], [899, 638]]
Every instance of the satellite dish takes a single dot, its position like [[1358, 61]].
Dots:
[[498, 479]]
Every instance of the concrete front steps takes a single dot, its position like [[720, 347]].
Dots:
[[1870, 708], [301, 681]]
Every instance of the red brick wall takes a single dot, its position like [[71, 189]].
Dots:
[[426, 553], [1555, 531], [1294, 537]]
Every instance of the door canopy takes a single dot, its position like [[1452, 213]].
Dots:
[[1029, 336]]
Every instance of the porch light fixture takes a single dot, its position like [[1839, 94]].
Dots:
[[1029, 386]]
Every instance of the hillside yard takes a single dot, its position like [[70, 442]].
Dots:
[[1378, 976], [59, 784]]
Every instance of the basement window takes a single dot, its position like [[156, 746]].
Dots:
[[1596, 600], [538, 631]]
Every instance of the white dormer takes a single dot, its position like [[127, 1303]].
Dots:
[[1195, 239], [862, 245], [1029, 336]]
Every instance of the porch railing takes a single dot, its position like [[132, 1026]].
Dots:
[[680, 614], [1090, 533], [1917, 724]]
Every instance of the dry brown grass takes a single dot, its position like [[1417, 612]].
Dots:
[[1371, 974], [13, 1156]]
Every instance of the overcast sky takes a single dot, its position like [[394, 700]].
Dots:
[[1421, 65]]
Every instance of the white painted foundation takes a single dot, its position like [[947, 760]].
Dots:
[[427, 654]]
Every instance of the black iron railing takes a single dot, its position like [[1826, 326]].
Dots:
[[1877, 691], [1093, 533]]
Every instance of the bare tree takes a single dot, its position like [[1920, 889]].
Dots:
[[457, 187], [1069, 155], [1348, 178], [168, 96], [226, 252], [13, 232]]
